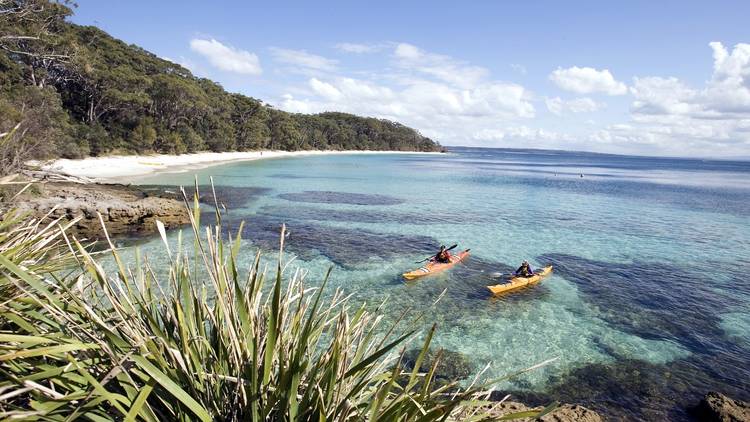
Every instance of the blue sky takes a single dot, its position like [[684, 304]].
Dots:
[[656, 78]]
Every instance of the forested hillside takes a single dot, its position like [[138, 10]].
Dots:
[[72, 91]]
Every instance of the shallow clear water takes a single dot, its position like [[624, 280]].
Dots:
[[648, 307]]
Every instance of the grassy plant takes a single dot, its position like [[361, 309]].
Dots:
[[209, 342]]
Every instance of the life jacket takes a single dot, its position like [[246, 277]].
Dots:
[[444, 256]]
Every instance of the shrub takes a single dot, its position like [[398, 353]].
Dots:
[[203, 342]]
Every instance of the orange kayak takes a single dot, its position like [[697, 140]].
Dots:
[[436, 267], [518, 282]]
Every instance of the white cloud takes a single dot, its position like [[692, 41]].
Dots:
[[359, 48], [439, 95], [519, 68], [303, 59], [441, 67], [458, 103], [226, 57], [669, 115], [559, 106], [325, 90], [555, 105], [725, 96], [420, 101], [408, 52], [587, 80], [521, 133], [584, 105], [656, 95], [182, 61]]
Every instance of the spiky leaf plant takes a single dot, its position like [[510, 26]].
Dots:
[[200, 340]]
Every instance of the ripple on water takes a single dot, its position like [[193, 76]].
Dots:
[[330, 197]]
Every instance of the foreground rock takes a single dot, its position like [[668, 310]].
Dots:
[[720, 408], [451, 366], [564, 413], [124, 209]]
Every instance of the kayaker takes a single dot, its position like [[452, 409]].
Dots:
[[443, 255], [524, 270]]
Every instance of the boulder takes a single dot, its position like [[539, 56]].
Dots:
[[564, 413], [720, 408]]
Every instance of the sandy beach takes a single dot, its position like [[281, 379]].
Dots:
[[129, 167]]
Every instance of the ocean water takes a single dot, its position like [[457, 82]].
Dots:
[[648, 307]]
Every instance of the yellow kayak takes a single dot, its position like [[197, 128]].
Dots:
[[518, 282], [436, 267]]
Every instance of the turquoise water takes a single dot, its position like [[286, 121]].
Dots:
[[647, 308]]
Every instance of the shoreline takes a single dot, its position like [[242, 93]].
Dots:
[[126, 168]]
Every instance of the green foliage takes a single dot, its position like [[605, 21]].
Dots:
[[143, 136], [199, 340], [114, 88]]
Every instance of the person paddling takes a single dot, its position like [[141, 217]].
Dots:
[[443, 256], [524, 270]]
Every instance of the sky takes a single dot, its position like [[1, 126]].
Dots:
[[640, 77]]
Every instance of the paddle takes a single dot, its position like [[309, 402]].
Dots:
[[419, 262]]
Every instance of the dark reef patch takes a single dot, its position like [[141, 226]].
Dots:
[[631, 389], [452, 365], [348, 248], [329, 197], [659, 301], [298, 176], [649, 299], [364, 216], [231, 197]]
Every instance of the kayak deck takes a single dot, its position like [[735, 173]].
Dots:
[[435, 267], [519, 282]]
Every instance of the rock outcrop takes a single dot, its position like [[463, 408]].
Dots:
[[124, 209], [564, 413], [720, 408]]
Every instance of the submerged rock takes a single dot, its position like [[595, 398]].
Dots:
[[564, 413], [452, 366], [720, 408]]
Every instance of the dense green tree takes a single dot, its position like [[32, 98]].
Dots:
[[285, 133], [76, 90], [143, 136]]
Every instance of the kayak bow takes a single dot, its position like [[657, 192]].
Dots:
[[435, 267], [518, 282]]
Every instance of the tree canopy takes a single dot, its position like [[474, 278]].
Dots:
[[74, 91]]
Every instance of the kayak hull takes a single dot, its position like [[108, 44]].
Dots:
[[433, 268], [519, 282]]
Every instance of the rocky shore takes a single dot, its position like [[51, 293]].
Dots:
[[455, 366], [126, 210], [563, 413]]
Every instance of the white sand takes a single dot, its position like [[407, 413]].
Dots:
[[129, 167]]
